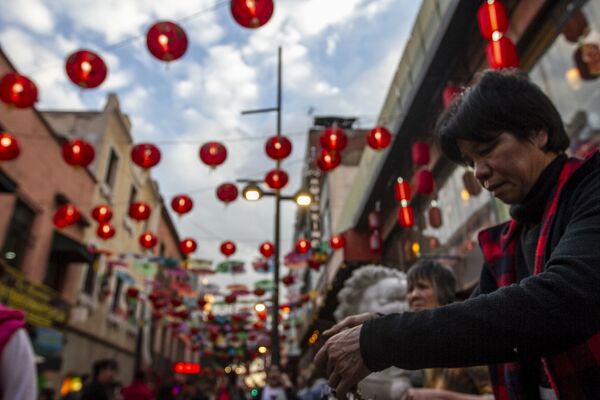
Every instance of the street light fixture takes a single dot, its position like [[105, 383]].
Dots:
[[303, 199], [252, 192]]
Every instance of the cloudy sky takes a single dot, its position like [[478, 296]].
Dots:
[[338, 59]]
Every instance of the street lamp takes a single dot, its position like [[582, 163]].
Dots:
[[252, 192]]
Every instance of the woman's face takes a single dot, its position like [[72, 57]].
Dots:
[[507, 167], [421, 295]]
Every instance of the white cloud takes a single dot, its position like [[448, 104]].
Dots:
[[332, 43], [31, 14]]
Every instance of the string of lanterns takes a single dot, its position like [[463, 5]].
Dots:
[[493, 24]]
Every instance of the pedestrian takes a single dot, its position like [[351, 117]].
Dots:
[[279, 386], [138, 389], [18, 378], [535, 321], [101, 386]]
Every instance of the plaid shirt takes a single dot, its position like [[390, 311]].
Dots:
[[573, 374]]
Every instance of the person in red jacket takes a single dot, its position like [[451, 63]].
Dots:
[[138, 389]]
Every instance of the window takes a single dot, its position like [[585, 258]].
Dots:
[[18, 234], [56, 272], [162, 249], [117, 296], [111, 171], [90, 280]]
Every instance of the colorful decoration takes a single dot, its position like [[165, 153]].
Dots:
[[139, 211], [406, 216], [230, 299], [333, 139], [402, 190], [375, 242], [228, 248], [17, 90], [492, 18], [9, 147], [213, 154], [577, 26], [278, 147], [379, 138], [424, 182], [337, 242], [267, 249], [102, 213], [420, 153], [227, 192], [502, 53], [188, 246], [148, 240], [86, 69], [251, 13], [182, 204], [259, 292], [302, 246], [276, 179], [328, 160], [145, 155], [105, 231], [66, 215], [166, 41], [373, 220], [78, 153], [288, 280]]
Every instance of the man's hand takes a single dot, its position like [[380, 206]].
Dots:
[[348, 322], [341, 355]]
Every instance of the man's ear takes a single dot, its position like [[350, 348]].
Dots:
[[541, 139]]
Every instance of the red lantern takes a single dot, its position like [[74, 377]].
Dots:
[[166, 41], [227, 192], [105, 231], [278, 147], [17, 90], [502, 53], [86, 69], [424, 182], [379, 138], [139, 211], [230, 299], [333, 139], [176, 302], [288, 280], [276, 179], [328, 160], [251, 13], [132, 292], [9, 147], [337, 242], [576, 26], [148, 240], [259, 292], [102, 213], [406, 217], [373, 220], [449, 93], [435, 217], [267, 249], [302, 246], [213, 154], [420, 153], [375, 242], [201, 303], [145, 155], [182, 204], [492, 18], [78, 153], [188, 246], [228, 248], [313, 264], [66, 215], [402, 190]]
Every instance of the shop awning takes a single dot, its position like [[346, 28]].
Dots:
[[69, 250]]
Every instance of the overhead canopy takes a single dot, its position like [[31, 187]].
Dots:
[[65, 249]]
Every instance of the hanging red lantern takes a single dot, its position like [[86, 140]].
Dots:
[[333, 139], [420, 153], [449, 93], [406, 216], [9, 147], [230, 299], [492, 18], [375, 242], [259, 292], [337, 242], [267, 249], [176, 302], [313, 264], [66, 215], [188, 246], [201, 302], [251, 13], [373, 220], [148, 240], [105, 231], [213, 154], [145, 155], [276, 179], [78, 153], [166, 41], [328, 160], [278, 147], [435, 217], [502, 53], [132, 292], [302, 246], [17, 90], [86, 69], [102, 213], [288, 280], [182, 204], [424, 182], [577, 26], [228, 248], [139, 211], [379, 138], [402, 190], [227, 192]]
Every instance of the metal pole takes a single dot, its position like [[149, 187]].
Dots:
[[275, 349]]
